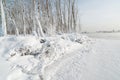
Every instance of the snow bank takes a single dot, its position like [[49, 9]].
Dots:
[[29, 56]]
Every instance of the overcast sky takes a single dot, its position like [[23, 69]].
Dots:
[[99, 14]]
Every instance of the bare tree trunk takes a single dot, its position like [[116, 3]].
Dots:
[[40, 27], [4, 29], [34, 25]]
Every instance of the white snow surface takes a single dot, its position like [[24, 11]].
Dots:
[[61, 57]]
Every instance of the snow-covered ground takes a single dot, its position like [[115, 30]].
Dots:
[[105, 35], [104, 62], [62, 57]]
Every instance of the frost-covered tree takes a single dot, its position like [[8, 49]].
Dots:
[[3, 29], [43, 17]]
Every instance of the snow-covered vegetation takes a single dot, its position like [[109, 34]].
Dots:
[[43, 17], [29, 57], [35, 34]]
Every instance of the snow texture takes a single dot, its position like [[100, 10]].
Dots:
[[61, 57]]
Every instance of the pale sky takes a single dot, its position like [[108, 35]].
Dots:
[[99, 14]]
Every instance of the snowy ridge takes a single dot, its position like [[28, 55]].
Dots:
[[30, 57]]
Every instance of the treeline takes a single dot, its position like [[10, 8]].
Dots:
[[43, 17]]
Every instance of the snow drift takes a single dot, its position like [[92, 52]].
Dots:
[[29, 56]]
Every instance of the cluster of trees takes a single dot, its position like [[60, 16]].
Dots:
[[44, 17]]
